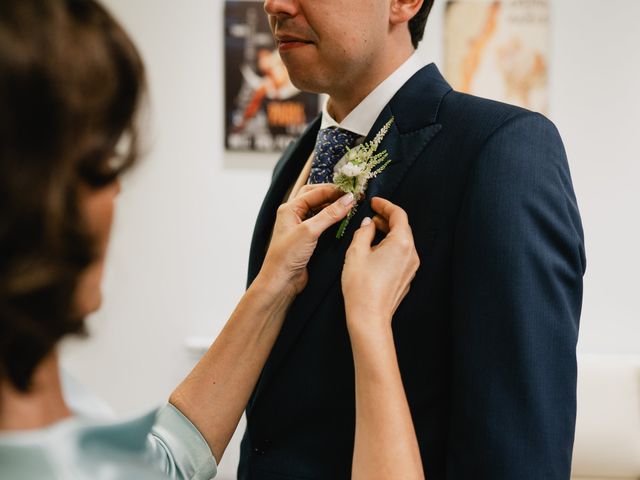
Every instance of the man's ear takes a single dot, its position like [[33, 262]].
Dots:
[[402, 11]]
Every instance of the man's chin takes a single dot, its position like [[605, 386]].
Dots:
[[305, 81]]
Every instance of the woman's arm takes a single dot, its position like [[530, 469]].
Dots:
[[213, 396], [385, 443], [215, 393], [374, 281]]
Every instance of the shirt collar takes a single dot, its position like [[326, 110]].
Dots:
[[362, 118]]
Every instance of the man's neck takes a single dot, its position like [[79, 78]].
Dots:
[[41, 406], [342, 102]]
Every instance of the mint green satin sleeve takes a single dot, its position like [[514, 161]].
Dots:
[[163, 444], [177, 447]]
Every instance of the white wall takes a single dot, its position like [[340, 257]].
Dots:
[[179, 253]]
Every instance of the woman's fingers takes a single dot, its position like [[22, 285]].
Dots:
[[330, 215], [381, 224], [363, 237], [313, 197], [310, 187], [321, 206], [394, 215]]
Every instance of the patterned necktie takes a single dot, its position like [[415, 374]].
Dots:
[[331, 146]]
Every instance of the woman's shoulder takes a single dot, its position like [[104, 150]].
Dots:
[[78, 448]]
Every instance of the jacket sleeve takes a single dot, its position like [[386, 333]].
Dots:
[[518, 263]]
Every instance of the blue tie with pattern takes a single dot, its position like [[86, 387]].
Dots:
[[331, 146]]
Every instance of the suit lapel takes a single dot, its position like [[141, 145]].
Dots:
[[403, 149], [409, 135]]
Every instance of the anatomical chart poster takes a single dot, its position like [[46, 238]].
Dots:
[[499, 50], [264, 111]]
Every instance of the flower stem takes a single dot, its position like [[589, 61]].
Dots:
[[343, 226]]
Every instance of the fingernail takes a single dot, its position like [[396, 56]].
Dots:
[[366, 221], [347, 199]]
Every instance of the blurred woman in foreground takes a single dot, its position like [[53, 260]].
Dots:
[[70, 87]]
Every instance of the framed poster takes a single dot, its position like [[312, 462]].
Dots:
[[499, 50], [263, 110]]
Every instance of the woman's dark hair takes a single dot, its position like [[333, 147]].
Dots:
[[419, 21], [70, 86]]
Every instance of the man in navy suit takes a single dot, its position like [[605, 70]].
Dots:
[[486, 337]]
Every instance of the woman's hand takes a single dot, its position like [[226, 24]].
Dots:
[[299, 224], [375, 279], [215, 394]]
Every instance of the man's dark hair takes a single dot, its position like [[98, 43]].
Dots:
[[70, 85], [417, 23]]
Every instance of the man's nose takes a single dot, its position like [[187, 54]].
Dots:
[[281, 8]]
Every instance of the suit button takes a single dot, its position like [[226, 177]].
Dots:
[[258, 451]]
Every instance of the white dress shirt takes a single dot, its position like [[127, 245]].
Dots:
[[362, 118]]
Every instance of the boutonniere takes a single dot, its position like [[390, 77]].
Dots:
[[359, 165]]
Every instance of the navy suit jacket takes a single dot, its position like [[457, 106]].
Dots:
[[486, 338]]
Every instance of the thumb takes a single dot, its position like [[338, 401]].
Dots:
[[330, 215], [365, 234]]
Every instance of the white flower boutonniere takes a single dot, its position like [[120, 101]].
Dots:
[[359, 165]]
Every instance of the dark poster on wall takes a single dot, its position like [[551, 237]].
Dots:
[[264, 111]]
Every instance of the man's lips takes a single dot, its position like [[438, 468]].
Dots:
[[287, 42]]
